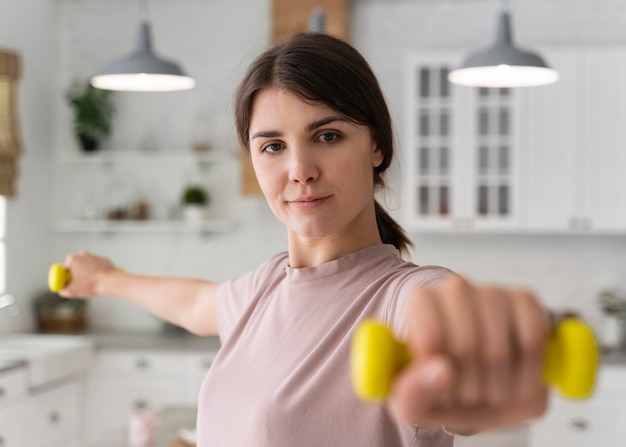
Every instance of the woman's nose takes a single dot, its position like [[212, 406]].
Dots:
[[303, 166]]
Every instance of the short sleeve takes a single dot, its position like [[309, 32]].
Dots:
[[426, 276], [239, 294]]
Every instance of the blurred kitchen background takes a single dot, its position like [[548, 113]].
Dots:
[[558, 225], [64, 41]]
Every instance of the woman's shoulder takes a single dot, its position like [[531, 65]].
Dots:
[[270, 269]]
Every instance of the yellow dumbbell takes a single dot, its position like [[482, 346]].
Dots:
[[571, 359], [58, 277]]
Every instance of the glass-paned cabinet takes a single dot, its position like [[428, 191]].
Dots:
[[461, 149]]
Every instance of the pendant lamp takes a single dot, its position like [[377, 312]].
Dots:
[[503, 65], [142, 70]]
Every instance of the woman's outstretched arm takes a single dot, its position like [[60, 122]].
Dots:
[[185, 302]]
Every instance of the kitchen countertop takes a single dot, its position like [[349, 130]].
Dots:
[[153, 341], [157, 340], [6, 365]]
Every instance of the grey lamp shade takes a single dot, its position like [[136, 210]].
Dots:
[[142, 71], [503, 65]]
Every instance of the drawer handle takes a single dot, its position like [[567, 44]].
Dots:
[[141, 404], [54, 417], [142, 364], [579, 424]]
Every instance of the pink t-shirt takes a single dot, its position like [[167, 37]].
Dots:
[[282, 375]]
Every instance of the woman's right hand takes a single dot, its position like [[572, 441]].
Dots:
[[87, 271]]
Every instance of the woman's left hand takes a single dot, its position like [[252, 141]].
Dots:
[[478, 358]]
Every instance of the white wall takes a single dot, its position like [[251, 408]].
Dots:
[[30, 28], [214, 40]]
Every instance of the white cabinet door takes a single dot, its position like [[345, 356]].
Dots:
[[604, 138], [13, 425], [576, 180], [55, 415], [598, 422], [112, 401], [462, 154], [554, 183]]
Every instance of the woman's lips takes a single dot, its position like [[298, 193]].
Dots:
[[307, 203]]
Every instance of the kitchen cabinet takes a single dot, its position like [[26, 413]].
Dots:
[[93, 185], [543, 159], [599, 421], [55, 416], [463, 152], [39, 417], [575, 172], [123, 381]]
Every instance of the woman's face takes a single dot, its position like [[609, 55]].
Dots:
[[314, 167]]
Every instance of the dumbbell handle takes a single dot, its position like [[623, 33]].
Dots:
[[570, 365]]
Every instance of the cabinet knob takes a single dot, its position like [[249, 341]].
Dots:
[[573, 223], [142, 363], [579, 424], [2, 392], [141, 404], [54, 417]]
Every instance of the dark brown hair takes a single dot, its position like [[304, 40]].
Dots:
[[321, 68]]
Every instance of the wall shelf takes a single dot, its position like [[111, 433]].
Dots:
[[110, 157], [144, 226]]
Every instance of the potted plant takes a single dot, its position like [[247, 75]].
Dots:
[[57, 314], [93, 111], [195, 201]]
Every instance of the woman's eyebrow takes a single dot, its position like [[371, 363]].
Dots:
[[322, 122], [314, 125], [267, 134]]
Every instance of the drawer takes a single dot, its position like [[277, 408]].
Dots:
[[12, 426], [139, 362], [13, 386], [596, 422], [54, 414], [110, 401]]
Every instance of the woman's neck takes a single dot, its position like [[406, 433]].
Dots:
[[311, 252]]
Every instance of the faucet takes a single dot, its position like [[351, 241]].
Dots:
[[8, 301]]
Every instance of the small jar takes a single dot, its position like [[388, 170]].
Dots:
[[142, 426]]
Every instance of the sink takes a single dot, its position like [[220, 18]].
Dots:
[[48, 357]]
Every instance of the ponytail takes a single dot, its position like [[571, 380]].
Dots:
[[390, 231]]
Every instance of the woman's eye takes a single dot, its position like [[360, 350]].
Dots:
[[329, 137], [272, 147]]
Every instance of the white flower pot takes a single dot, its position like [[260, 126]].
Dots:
[[194, 213], [612, 332]]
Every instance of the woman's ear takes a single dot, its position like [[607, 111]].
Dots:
[[377, 156]]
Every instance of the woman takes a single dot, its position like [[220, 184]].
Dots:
[[312, 116]]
